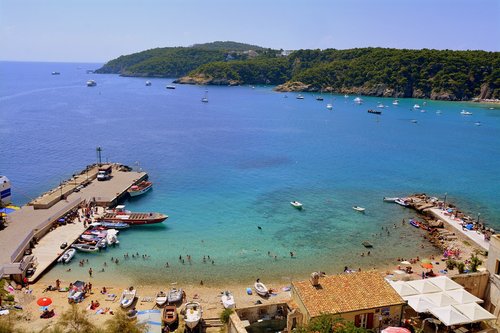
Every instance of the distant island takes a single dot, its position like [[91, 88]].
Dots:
[[435, 74]]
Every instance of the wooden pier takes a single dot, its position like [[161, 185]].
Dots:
[[35, 221]]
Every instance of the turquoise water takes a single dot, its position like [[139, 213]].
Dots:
[[224, 168]]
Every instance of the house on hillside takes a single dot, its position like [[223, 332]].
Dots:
[[364, 298]]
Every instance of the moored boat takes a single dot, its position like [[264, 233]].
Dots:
[[329, 106], [414, 223], [148, 83], [296, 204], [161, 298], [169, 315], [170, 86], [299, 96], [465, 113], [401, 201], [390, 199], [227, 300], [140, 188], [111, 225], [67, 256], [85, 247], [367, 244], [396, 102], [416, 106], [91, 83], [127, 297], [359, 209], [174, 295], [374, 111], [119, 214], [193, 314], [358, 100], [56, 73], [261, 288]]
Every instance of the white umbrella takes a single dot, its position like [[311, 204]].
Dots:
[[474, 311], [444, 283], [462, 296], [448, 315], [418, 303], [403, 289], [440, 299], [424, 286]]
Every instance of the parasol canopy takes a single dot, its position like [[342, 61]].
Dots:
[[427, 265], [392, 329], [44, 301]]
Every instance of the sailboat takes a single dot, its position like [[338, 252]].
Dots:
[[205, 98], [320, 97]]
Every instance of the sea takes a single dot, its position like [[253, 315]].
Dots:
[[226, 171]]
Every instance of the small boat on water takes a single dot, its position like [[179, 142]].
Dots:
[[358, 100], [416, 106], [67, 256], [85, 247], [359, 209], [299, 96], [193, 314], [161, 298], [204, 99], [329, 106], [380, 105], [319, 98], [367, 244], [174, 295], [171, 86], [127, 297], [374, 111], [227, 300], [119, 214], [396, 102], [465, 113], [415, 223], [169, 315], [390, 199], [148, 83], [296, 204], [261, 288], [56, 73], [402, 202], [91, 83], [140, 188]]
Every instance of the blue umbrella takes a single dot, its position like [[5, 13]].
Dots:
[[7, 210]]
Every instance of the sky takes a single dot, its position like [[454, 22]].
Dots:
[[101, 30]]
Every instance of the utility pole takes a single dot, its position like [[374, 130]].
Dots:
[[99, 150]]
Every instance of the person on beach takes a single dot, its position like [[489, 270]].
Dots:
[[90, 271]]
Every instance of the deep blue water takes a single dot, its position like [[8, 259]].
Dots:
[[223, 168]]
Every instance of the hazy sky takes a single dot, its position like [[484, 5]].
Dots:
[[100, 30]]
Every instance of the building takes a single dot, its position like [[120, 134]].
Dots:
[[364, 298], [492, 298]]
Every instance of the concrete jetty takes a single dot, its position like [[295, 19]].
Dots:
[[32, 222]]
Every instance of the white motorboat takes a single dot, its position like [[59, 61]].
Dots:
[[465, 113], [380, 105], [329, 106], [170, 86], [396, 102], [401, 201], [358, 100], [161, 298], [299, 96], [346, 96], [148, 83], [140, 188], [91, 83], [390, 199], [111, 237], [261, 289], [193, 314], [359, 209], [416, 106], [204, 99], [85, 247], [174, 295], [127, 297], [296, 204], [227, 300], [67, 256], [112, 225], [56, 73]]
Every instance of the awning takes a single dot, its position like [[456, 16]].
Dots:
[[440, 299], [448, 315], [462, 296], [418, 303], [444, 283], [474, 311], [424, 286], [403, 289]]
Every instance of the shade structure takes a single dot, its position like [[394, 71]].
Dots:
[[427, 265], [448, 315], [445, 283], [440, 299], [392, 329], [44, 301], [403, 289], [474, 312], [418, 303], [462, 296], [424, 286]]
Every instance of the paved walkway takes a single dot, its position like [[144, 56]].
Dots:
[[476, 237]]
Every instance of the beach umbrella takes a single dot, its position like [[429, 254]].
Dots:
[[392, 329], [427, 265], [406, 262], [44, 301]]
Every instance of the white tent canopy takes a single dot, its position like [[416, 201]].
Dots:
[[403, 289], [440, 299], [418, 303], [474, 311], [462, 296], [424, 286], [448, 315], [444, 283]]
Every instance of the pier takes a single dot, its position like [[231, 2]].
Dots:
[[32, 223]]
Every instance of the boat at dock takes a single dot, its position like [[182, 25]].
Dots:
[[140, 188], [401, 201], [374, 111], [127, 297], [296, 204], [390, 199], [414, 223], [85, 247], [169, 315], [119, 214], [359, 209], [174, 295], [261, 289], [67, 256], [111, 225], [193, 314], [227, 300]]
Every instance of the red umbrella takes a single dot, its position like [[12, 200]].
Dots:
[[44, 301], [427, 265]]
